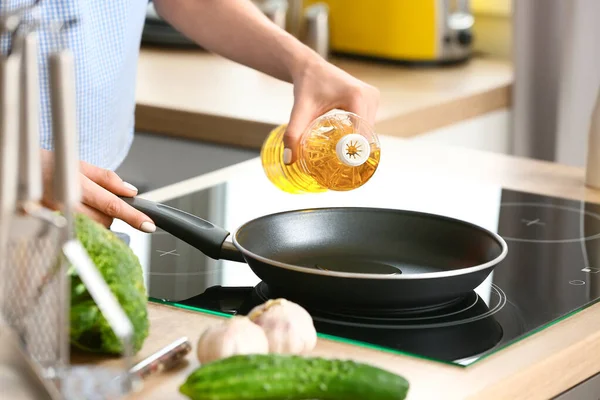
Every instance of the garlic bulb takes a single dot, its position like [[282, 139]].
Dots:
[[237, 335], [288, 326]]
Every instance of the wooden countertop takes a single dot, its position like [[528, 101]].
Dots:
[[538, 367], [198, 95]]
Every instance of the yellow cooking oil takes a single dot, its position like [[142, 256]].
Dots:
[[339, 151]]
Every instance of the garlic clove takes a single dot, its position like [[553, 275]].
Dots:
[[237, 335], [289, 327]]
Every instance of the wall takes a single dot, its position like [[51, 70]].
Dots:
[[579, 80], [557, 71], [493, 27], [493, 37], [557, 78], [489, 132]]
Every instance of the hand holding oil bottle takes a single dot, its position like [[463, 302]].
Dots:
[[338, 151]]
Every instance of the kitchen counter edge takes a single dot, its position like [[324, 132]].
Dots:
[[196, 95]]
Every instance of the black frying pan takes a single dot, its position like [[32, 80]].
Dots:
[[350, 257]]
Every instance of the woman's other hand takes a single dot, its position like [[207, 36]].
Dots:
[[100, 189]]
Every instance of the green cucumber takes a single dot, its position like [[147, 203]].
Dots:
[[291, 377]]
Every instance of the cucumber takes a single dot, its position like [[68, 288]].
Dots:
[[291, 377]]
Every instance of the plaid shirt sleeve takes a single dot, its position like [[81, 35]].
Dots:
[[105, 44]]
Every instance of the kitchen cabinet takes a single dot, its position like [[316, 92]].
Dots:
[[587, 390]]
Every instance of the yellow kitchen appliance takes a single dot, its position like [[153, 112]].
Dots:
[[413, 31]]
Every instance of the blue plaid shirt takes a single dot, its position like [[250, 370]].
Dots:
[[105, 44]]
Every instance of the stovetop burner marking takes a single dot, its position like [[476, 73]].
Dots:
[[409, 319], [579, 211], [591, 270], [495, 289], [355, 313], [168, 253], [577, 282], [533, 222]]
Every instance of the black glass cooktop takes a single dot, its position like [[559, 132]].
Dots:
[[550, 272]]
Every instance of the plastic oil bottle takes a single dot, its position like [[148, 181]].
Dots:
[[339, 151]]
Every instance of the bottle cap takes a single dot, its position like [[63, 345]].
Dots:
[[353, 149]]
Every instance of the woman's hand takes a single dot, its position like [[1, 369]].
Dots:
[[100, 189], [239, 31], [320, 87]]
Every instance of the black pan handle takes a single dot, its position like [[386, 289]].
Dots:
[[203, 235]]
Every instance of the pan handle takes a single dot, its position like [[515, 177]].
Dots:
[[203, 235]]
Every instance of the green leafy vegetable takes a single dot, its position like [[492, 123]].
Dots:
[[122, 271]]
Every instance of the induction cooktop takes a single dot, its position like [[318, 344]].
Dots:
[[551, 270]]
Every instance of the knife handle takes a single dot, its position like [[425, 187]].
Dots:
[[9, 132], [30, 169], [64, 125]]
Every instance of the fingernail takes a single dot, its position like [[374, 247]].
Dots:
[[287, 156], [148, 227], [130, 186]]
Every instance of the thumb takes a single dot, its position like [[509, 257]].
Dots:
[[302, 114]]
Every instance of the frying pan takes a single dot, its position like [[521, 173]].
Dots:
[[348, 256]]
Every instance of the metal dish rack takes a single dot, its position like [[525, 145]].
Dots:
[[37, 243]]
